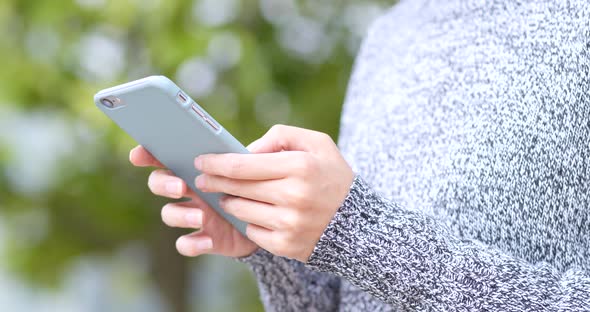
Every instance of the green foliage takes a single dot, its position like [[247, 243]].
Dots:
[[96, 202]]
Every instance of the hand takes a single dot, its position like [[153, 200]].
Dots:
[[288, 191], [215, 234]]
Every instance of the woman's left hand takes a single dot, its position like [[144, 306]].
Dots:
[[288, 189]]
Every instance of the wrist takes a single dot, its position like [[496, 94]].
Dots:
[[345, 224]]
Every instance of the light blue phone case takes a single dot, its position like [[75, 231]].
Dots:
[[171, 126]]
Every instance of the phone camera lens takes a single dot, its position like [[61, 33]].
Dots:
[[111, 102], [107, 102]]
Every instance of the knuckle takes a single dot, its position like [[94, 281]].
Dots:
[[281, 244], [323, 137], [296, 221], [288, 221], [278, 128], [306, 164], [278, 131], [235, 166], [281, 221], [297, 196], [216, 184], [229, 186]]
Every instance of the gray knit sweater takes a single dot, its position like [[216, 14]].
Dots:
[[468, 123]]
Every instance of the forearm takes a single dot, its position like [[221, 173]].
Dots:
[[287, 285], [405, 258]]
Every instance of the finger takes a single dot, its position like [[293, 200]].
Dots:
[[140, 157], [250, 211], [182, 215], [195, 244], [225, 239], [194, 214], [262, 191], [286, 138], [163, 183], [261, 236], [253, 147], [267, 166]]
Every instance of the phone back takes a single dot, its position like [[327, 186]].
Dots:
[[171, 126]]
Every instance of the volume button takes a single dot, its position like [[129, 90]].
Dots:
[[198, 111], [212, 124]]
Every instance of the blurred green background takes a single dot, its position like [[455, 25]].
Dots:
[[79, 230]]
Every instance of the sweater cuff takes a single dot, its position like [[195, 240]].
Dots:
[[345, 241], [257, 258]]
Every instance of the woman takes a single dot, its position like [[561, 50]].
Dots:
[[467, 124]]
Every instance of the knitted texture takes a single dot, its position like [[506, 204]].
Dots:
[[469, 123]]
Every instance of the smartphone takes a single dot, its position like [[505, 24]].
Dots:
[[172, 127]]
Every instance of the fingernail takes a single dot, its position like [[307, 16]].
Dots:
[[204, 244], [194, 219], [200, 182], [198, 163], [173, 187]]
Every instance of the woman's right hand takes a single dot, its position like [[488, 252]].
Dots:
[[214, 234]]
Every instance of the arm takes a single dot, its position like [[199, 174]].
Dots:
[[287, 285], [402, 257], [407, 259]]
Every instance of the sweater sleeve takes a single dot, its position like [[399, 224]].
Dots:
[[408, 260], [287, 285]]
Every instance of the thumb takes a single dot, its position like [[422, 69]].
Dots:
[[255, 146], [286, 138]]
